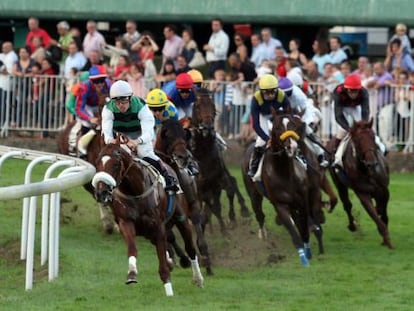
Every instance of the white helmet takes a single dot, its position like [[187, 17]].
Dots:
[[120, 89]]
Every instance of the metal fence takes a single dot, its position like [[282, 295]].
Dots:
[[37, 104]]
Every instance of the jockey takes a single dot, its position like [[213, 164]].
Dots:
[[197, 78], [351, 103], [181, 93], [88, 101], [129, 115], [268, 95], [163, 109], [303, 106]]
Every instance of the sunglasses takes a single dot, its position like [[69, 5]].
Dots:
[[98, 81], [352, 90], [121, 99], [184, 91], [269, 92], [157, 109]]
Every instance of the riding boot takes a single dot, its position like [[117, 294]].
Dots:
[[171, 183], [255, 160], [84, 141]]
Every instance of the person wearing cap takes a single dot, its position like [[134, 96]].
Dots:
[[269, 95], [163, 110], [131, 116], [91, 94], [181, 93], [351, 102], [304, 107]]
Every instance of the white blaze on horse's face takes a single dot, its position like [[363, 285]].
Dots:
[[105, 159], [293, 145]]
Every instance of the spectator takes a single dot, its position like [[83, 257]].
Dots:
[[94, 58], [182, 65], [7, 60], [398, 57], [311, 71], [219, 93], [190, 46], [36, 31], [94, 40], [241, 48], [75, 59], [401, 33], [115, 52], [173, 45], [257, 55], [135, 78], [122, 68], [296, 54], [217, 47], [280, 60], [337, 53], [167, 73], [146, 47], [363, 63], [39, 53], [321, 56], [269, 43], [65, 37], [345, 68], [23, 65], [130, 37], [246, 69]]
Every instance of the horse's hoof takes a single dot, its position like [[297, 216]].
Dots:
[[333, 203], [209, 271], [352, 227], [185, 262], [199, 282], [131, 280]]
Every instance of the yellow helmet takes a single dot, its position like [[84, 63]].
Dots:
[[157, 98], [268, 82], [196, 76]]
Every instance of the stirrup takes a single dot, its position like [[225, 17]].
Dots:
[[171, 184]]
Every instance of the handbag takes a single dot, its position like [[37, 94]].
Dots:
[[198, 60]]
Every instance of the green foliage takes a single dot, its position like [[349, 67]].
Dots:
[[356, 273]]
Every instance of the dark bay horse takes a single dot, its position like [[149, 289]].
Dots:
[[93, 150], [284, 181], [214, 174], [135, 192], [171, 146], [365, 171]]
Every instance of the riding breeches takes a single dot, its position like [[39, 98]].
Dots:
[[265, 124]]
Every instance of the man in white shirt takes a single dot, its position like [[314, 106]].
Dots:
[[7, 59], [94, 40], [217, 47], [257, 50], [337, 53]]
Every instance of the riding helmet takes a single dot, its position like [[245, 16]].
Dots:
[[97, 72], [157, 98], [120, 89], [184, 81], [268, 82], [196, 76], [285, 84], [353, 82]]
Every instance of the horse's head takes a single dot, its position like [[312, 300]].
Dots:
[[173, 142], [286, 132], [111, 166], [204, 112], [363, 138]]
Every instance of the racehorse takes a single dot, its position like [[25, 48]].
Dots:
[[93, 150], [365, 171], [214, 175], [284, 181], [171, 146], [135, 192]]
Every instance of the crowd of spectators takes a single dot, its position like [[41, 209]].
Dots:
[[132, 57]]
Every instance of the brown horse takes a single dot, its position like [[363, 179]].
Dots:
[[214, 175], [284, 181], [365, 171], [135, 192], [171, 146], [93, 150]]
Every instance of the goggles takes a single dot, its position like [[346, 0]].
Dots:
[[121, 99], [157, 109], [184, 91], [98, 81]]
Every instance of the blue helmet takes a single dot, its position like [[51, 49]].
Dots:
[[285, 84]]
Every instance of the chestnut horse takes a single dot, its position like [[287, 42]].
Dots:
[[284, 181], [171, 146], [365, 171], [135, 192], [214, 174]]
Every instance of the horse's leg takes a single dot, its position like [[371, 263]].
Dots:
[[216, 210], [127, 229], [346, 202], [327, 188], [184, 262], [160, 242], [316, 218], [256, 199], [184, 227], [107, 218], [244, 211], [286, 219], [366, 201], [230, 196]]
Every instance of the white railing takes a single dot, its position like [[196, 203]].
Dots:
[[38, 104], [78, 173]]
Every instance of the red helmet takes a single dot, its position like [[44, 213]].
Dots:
[[353, 82], [184, 81]]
